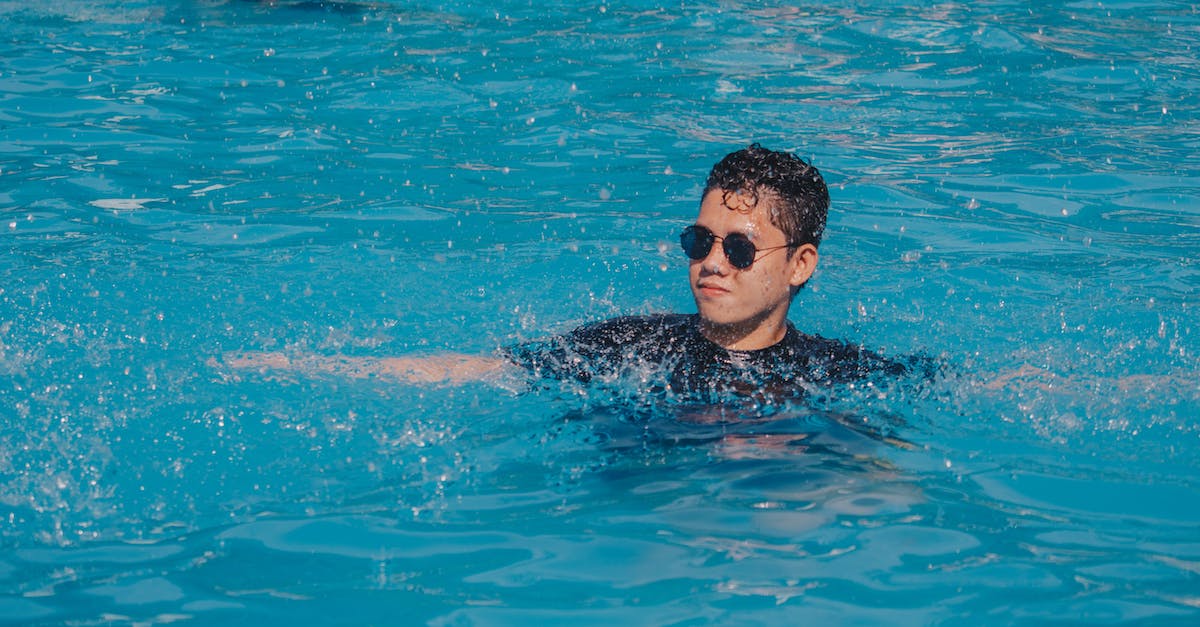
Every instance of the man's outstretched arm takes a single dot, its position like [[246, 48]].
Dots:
[[442, 368]]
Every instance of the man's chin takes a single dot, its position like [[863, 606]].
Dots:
[[718, 319]]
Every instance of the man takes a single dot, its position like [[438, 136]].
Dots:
[[751, 249]]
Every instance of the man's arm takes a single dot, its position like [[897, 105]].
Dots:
[[443, 368], [1028, 377]]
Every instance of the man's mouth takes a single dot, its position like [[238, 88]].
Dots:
[[711, 289]]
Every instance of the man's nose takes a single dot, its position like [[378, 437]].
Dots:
[[715, 262]]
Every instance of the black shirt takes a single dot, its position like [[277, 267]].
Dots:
[[668, 352]]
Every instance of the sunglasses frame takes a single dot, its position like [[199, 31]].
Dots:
[[733, 245]]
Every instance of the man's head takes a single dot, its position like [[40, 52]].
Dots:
[[757, 202], [794, 190]]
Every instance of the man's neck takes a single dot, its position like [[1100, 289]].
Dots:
[[745, 337]]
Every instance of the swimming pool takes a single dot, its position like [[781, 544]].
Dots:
[[1013, 185]]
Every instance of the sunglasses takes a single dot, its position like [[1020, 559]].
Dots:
[[697, 241]]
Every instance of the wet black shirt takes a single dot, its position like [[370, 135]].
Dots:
[[668, 352]]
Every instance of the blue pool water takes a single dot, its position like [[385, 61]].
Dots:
[[1015, 187]]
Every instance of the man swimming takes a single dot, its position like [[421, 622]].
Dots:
[[751, 249]]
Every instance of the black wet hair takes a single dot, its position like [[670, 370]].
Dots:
[[799, 200]]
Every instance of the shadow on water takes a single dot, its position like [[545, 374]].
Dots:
[[725, 433], [709, 459], [315, 6]]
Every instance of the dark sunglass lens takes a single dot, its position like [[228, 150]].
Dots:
[[739, 250], [696, 242]]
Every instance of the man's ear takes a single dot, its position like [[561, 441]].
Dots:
[[804, 263]]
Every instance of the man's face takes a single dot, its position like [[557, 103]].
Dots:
[[746, 308]]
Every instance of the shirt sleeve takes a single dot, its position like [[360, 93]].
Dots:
[[842, 362], [552, 358], [590, 351]]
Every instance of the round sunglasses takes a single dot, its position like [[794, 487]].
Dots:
[[697, 241]]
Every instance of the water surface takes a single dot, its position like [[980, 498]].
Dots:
[[1014, 186]]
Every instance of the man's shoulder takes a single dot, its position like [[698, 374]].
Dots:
[[840, 359], [603, 347], [631, 329], [649, 322], [816, 345]]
